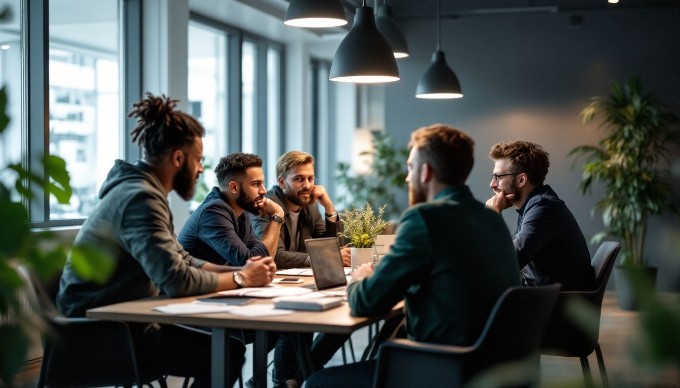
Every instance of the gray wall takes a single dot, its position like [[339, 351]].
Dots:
[[527, 76]]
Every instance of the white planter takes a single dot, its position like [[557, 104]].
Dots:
[[361, 256]]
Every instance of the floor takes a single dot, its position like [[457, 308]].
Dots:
[[618, 333]]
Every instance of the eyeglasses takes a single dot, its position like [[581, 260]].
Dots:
[[496, 177]]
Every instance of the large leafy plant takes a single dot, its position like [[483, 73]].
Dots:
[[631, 163], [42, 251], [387, 175]]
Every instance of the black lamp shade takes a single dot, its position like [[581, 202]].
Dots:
[[391, 31], [439, 81], [364, 56], [315, 14]]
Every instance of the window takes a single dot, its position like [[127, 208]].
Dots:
[[249, 68], [84, 97], [208, 83], [11, 65]]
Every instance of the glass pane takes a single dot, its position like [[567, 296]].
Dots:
[[248, 67], [273, 113], [208, 97], [85, 128], [10, 69]]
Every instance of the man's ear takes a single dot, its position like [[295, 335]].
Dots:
[[523, 179], [279, 180], [177, 158], [233, 187], [426, 173]]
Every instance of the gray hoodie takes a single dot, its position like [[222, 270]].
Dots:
[[133, 224]]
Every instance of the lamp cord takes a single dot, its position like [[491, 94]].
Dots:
[[439, 27]]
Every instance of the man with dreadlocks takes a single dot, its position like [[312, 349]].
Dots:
[[133, 219]]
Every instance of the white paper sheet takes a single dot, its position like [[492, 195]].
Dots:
[[258, 310], [194, 308], [266, 292]]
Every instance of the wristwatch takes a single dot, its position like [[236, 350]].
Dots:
[[239, 279], [277, 219], [332, 215]]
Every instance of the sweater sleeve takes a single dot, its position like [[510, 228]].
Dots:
[[146, 232]]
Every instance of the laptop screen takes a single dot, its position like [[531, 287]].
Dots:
[[324, 254]]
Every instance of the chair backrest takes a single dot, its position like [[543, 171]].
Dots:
[[79, 351], [515, 326], [564, 336], [512, 333], [603, 262]]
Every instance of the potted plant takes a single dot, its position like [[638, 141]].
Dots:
[[387, 175], [629, 162], [360, 228]]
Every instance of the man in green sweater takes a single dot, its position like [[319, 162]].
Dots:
[[450, 262]]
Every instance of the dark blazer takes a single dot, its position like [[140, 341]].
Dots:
[[451, 260], [311, 224]]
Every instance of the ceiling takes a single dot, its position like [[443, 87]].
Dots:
[[428, 8]]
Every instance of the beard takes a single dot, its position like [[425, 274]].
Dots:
[[512, 188], [184, 183], [415, 195], [297, 198], [248, 204]]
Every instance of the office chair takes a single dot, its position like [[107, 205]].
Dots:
[[567, 338], [80, 352], [505, 354]]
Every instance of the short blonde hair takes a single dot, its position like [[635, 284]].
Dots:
[[290, 160]]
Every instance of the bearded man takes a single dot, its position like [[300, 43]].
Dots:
[[298, 195], [549, 243], [219, 230]]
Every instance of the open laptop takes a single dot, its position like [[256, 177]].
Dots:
[[326, 259]]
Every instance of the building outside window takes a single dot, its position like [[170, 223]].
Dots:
[[84, 97]]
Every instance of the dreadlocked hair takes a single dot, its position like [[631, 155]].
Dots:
[[160, 127]]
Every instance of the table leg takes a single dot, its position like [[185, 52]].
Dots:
[[220, 358], [260, 359], [302, 346]]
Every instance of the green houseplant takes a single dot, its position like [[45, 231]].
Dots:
[[387, 175], [360, 228], [629, 162]]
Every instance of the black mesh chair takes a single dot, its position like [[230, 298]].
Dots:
[[568, 338], [80, 352], [505, 354]]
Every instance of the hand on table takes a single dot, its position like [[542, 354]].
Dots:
[[259, 271], [346, 254], [362, 272]]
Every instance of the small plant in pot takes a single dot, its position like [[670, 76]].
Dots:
[[360, 228], [631, 162]]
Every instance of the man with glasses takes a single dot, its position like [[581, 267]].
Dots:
[[549, 243]]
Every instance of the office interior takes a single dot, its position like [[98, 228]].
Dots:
[[526, 68]]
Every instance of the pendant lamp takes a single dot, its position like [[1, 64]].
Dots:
[[315, 14], [439, 81], [391, 31], [364, 55]]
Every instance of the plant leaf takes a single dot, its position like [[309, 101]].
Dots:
[[92, 263]]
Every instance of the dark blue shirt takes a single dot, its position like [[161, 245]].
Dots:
[[550, 245], [214, 233]]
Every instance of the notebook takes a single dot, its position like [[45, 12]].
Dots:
[[326, 259]]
